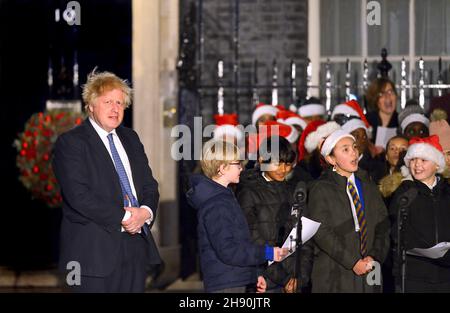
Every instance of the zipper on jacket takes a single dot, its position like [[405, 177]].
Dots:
[[435, 211]]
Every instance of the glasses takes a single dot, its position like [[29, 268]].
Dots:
[[389, 92], [236, 163]]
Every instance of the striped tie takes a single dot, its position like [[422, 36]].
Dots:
[[361, 218], [128, 197]]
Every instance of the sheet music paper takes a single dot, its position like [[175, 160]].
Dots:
[[309, 229], [435, 252], [383, 135]]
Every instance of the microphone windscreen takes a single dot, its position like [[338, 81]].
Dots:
[[300, 191]]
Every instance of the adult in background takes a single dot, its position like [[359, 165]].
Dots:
[[382, 99]]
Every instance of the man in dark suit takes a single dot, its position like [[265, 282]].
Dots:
[[109, 194]]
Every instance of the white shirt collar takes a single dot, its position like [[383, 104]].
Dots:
[[433, 184], [264, 176], [100, 131], [352, 179]]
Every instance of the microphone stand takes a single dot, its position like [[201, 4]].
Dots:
[[298, 208], [402, 218]]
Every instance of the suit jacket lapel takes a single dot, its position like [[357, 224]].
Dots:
[[100, 149], [341, 183]]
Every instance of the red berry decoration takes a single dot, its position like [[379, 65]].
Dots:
[[34, 152]]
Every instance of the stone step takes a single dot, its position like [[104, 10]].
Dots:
[[190, 284]]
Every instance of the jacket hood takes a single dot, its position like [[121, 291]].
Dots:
[[203, 189]]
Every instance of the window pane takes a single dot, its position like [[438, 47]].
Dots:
[[393, 33], [340, 32], [431, 73], [432, 27]]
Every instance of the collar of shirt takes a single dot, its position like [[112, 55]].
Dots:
[[264, 176], [100, 131], [352, 179], [433, 184]]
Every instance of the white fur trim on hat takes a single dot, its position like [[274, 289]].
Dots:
[[354, 124], [332, 140], [307, 110], [294, 120], [343, 109], [228, 130], [293, 108], [264, 109], [416, 117], [323, 131], [405, 171], [293, 135], [427, 152]]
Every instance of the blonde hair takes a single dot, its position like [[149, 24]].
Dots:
[[98, 83], [215, 153]]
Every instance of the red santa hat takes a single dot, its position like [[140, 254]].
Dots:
[[427, 148], [290, 118], [351, 108], [316, 137], [226, 126], [332, 140], [262, 109], [311, 127], [281, 107], [311, 107], [274, 128], [270, 128]]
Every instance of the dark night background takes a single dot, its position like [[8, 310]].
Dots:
[[28, 36]]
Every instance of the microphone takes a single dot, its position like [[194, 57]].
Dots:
[[298, 207], [300, 192], [299, 197]]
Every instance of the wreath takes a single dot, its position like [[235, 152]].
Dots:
[[34, 147]]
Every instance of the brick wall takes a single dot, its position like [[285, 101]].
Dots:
[[269, 30]]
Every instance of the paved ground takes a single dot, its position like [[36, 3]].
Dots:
[[48, 281]]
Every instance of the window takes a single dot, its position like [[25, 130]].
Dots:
[[409, 29]]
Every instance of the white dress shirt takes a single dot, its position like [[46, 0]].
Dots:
[[264, 176], [103, 134], [355, 217], [433, 184]]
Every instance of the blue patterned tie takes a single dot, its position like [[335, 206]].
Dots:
[[128, 197], [361, 218]]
